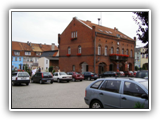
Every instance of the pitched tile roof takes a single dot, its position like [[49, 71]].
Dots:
[[105, 30], [31, 47]]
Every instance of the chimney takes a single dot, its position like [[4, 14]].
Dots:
[[53, 46], [115, 29], [99, 21], [134, 38], [40, 45]]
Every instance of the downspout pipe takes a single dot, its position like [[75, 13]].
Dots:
[[95, 52]]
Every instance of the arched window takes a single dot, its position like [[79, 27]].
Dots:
[[131, 54], [117, 50], [127, 52], [105, 51], [99, 50], [79, 49], [69, 50], [111, 50], [122, 51]]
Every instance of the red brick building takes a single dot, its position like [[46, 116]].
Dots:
[[85, 46]]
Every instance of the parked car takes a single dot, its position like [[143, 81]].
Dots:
[[117, 93], [120, 74], [129, 73], [142, 74], [134, 72], [90, 75], [61, 76], [108, 74], [76, 76], [20, 77], [42, 77]]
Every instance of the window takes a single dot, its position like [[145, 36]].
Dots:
[[19, 58], [127, 52], [74, 34], [15, 58], [111, 86], [16, 53], [38, 53], [105, 51], [99, 50], [96, 85], [122, 51], [69, 50], [46, 62], [142, 55], [131, 54], [27, 53], [117, 50], [132, 89], [73, 67], [111, 50], [146, 55], [79, 49]]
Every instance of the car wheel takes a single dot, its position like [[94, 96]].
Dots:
[[40, 82], [13, 83], [81, 80], [27, 83], [96, 104], [89, 78], [73, 79], [67, 80], [32, 81], [51, 82]]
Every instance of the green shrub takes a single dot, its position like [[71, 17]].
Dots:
[[139, 105]]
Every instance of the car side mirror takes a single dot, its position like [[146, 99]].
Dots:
[[145, 96]]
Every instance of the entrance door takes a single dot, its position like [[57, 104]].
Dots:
[[84, 67]]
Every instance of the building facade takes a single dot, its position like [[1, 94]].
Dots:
[[28, 54], [141, 58], [85, 46]]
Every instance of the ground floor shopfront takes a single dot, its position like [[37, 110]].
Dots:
[[102, 64]]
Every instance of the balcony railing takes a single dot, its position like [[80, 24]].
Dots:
[[119, 57]]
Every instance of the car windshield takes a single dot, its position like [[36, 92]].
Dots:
[[142, 74], [46, 74], [145, 84], [23, 74], [130, 71], [62, 73]]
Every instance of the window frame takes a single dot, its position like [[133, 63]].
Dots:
[[105, 51], [106, 82], [69, 50], [99, 49], [101, 81], [132, 94]]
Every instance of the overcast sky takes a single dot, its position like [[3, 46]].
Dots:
[[44, 27]]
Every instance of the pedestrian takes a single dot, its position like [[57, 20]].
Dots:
[[39, 69], [59, 70], [33, 71]]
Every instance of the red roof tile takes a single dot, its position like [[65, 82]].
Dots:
[[105, 30]]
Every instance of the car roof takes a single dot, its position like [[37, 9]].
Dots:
[[124, 78]]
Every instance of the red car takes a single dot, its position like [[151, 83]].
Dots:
[[76, 76]]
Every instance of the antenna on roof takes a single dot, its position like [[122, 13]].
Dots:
[[99, 21], [101, 18]]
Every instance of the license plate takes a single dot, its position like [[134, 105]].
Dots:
[[80, 75], [48, 80], [95, 75]]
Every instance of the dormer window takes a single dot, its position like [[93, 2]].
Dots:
[[100, 30], [16, 53], [27, 53]]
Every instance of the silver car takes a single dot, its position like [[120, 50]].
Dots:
[[117, 93]]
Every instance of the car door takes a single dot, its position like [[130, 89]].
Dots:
[[109, 94], [132, 95], [55, 76], [37, 77]]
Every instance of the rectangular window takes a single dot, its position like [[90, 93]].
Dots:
[[74, 34], [15, 58], [38, 53], [27, 53], [105, 52], [46, 61], [19, 58], [16, 53]]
